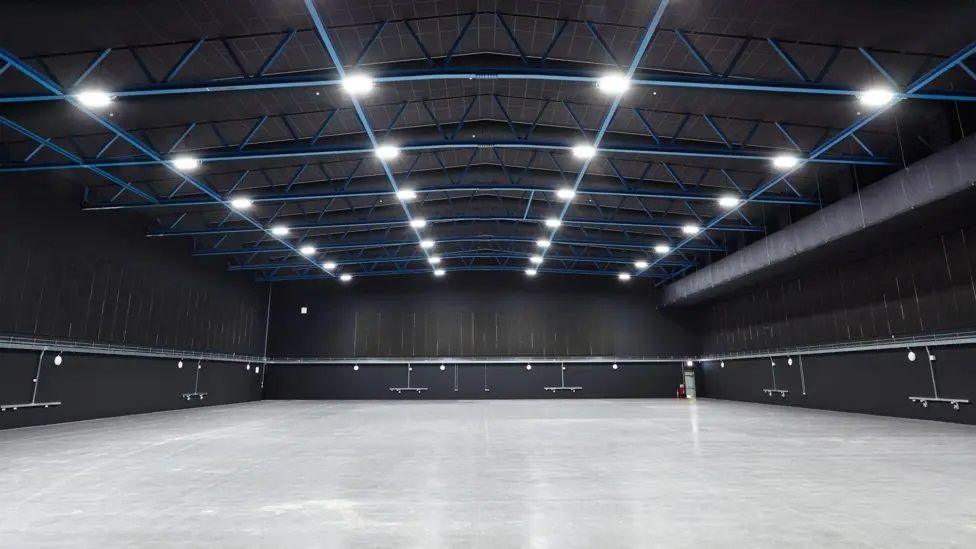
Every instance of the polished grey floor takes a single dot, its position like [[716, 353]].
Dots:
[[493, 474]]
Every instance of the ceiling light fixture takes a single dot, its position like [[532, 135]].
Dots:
[[553, 223], [94, 98], [418, 223], [565, 194], [543, 243], [306, 250], [280, 230], [690, 229], [406, 194], [434, 259], [357, 84], [624, 276], [614, 84], [584, 151], [387, 152], [241, 203], [640, 264], [186, 163], [345, 277], [536, 259], [662, 249], [785, 161], [531, 272], [427, 244], [876, 97], [329, 265], [439, 272], [728, 201]]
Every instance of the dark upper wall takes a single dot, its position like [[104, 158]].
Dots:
[[94, 276], [473, 314], [913, 278]]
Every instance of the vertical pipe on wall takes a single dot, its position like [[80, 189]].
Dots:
[[935, 388], [37, 376], [267, 327]]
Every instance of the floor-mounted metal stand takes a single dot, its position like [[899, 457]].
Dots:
[[33, 401], [954, 402], [769, 392], [196, 387], [400, 390], [562, 382]]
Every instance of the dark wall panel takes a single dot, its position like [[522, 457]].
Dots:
[[92, 386], [474, 315], [472, 380], [920, 287], [877, 382], [94, 276]]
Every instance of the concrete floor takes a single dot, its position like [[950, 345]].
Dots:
[[494, 474]]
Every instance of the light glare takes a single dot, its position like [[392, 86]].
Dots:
[[186, 163], [94, 98], [387, 152], [876, 97], [615, 84], [565, 194], [785, 161], [241, 203], [728, 201], [584, 151], [406, 194], [357, 84]]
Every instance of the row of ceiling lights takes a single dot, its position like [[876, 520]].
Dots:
[[360, 84]]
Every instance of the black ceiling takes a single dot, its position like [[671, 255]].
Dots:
[[297, 146]]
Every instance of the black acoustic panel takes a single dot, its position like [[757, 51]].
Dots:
[[475, 315], [925, 286], [92, 386], [878, 382], [471, 381], [88, 276]]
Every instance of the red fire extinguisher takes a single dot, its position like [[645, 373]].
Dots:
[[681, 391]]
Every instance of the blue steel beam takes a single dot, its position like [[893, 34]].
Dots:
[[612, 111], [489, 73], [417, 147], [653, 223], [471, 268], [326, 40], [862, 121], [326, 247], [47, 143], [482, 254], [52, 87], [466, 188]]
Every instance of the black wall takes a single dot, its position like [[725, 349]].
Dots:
[[94, 276], [909, 279], [502, 381], [91, 386], [469, 315], [904, 284], [877, 382]]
